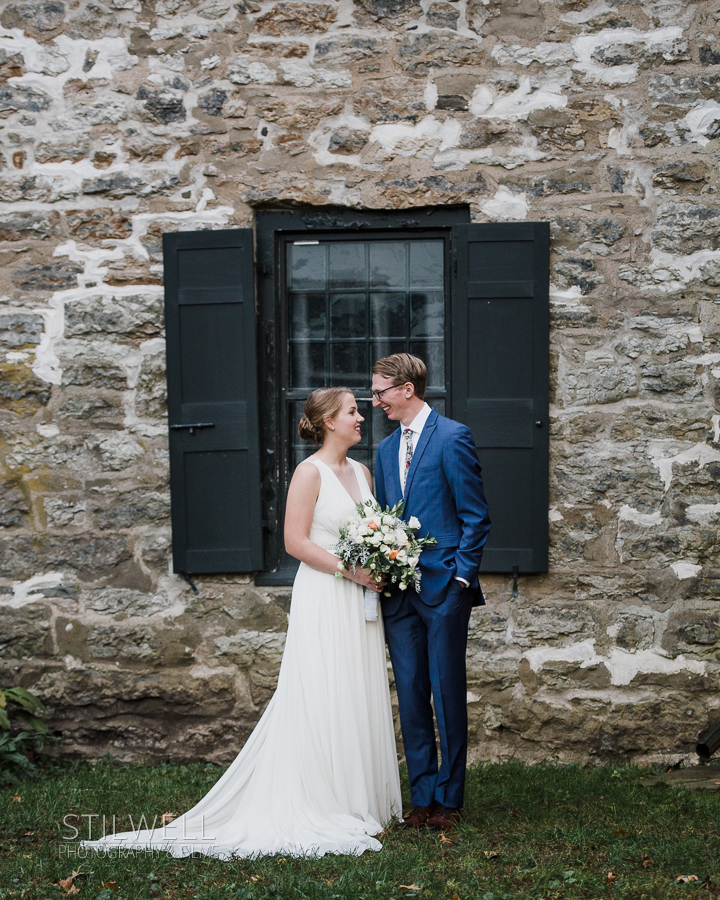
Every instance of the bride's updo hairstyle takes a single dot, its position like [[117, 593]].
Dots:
[[324, 403]]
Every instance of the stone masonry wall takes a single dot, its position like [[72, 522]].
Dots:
[[122, 119]]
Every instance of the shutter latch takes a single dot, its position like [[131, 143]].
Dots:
[[195, 425]]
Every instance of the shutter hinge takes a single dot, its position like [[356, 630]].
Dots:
[[186, 577], [261, 268]]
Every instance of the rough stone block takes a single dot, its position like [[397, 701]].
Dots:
[[25, 632], [558, 627], [24, 556], [13, 505], [98, 224], [21, 391], [51, 277], [23, 226], [136, 507], [20, 329], [288, 18], [139, 316], [418, 54]]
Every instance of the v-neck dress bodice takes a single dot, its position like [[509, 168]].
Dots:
[[334, 506]]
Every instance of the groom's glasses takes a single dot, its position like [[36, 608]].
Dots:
[[378, 394]]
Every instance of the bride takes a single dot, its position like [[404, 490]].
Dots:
[[319, 772]]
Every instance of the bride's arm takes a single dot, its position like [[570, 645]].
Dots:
[[299, 510]]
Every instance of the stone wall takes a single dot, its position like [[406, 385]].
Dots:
[[122, 119]]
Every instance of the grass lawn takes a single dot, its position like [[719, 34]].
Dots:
[[529, 832]]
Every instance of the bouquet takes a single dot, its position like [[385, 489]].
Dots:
[[380, 540]]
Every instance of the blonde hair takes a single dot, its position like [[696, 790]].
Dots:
[[324, 403], [404, 367]]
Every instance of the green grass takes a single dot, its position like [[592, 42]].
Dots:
[[529, 832]]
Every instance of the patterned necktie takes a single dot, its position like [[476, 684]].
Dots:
[[407, 433]]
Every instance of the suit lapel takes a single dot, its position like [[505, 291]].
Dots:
[[422, 443], [394, 489]]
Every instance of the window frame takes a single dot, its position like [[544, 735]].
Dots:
[[274, 228]]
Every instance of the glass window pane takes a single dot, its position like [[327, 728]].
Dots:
[[301, 453], [387, 315], [366, 426], [308, 365], [382, 426], [426, 264], [347, 264], [349, 366], [432, 353], [362, 456], [308, 315], [307, 267], [382, 348], [438, 404], [348, 317], [427, 314], [388, 264]]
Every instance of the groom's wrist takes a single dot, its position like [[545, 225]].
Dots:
[[462, 581]]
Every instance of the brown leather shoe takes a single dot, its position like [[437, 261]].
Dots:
[[444, 818], [418, 816]]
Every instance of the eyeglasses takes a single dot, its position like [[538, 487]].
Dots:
[[378, 394]]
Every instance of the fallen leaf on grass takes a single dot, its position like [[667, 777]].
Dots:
[[444, 839], [409, 887], [17, 798], [112, 885], [254, 878], [646, 861], [167, 818], [66, 883], [612, 877], [72, 890], [28, 833], [620, 831], [683, 879], [491, 854], [455, 897]]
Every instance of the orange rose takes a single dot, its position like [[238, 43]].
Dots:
[[373, 526], [393, 554]]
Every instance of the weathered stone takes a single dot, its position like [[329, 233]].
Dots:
[[123, 602], [691, 424], [694, 633], [136, 508], [13, 506], [686, 228], [344, 49], [162, 105], [54, 277], [287, 18], [21, 391], [601, 384], [23, 226], [212, 102], [12, 65], [443, 15], [634, 632], [20, 329], [678, 380], [95, 373], [682, 90], [515, 18], [99, 410], [118, 185], [98, 224], [23, 556], [14, 98], [117, 451], [132, 316], [709, 56], [681, 175], [56, 152], [25, 632], [418, 54], [61, 513], [346, 141], [40, 19], [557, 627], [579, 272]]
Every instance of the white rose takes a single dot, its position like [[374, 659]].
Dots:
[[388, 520], [403, 586], [374, 520], [386, 529], [414, 523], [384, 548], [401, 539], [375, 539], [402, 556], [413, 560]]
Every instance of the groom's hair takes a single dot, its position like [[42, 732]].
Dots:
[[404, 367]]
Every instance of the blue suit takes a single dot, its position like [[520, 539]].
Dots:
[[426, 632]]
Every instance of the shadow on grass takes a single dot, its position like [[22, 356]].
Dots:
[[530, 832]]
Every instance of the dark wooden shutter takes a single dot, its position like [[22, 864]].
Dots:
[[211, 374], [500, 365]]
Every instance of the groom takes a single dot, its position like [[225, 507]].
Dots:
[[430, 462]]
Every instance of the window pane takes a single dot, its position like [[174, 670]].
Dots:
[[427, 314], [382, 426], [307, 365], [301, 453], [349, 366], [387, 315], [347, 315], [426, 264], [438, 404], [432, 353], [380, 349], [308, 315], [366, 426], [347, 264], [307, 268], [388, 264], [362, 456]]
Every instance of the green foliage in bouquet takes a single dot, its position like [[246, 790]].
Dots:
[[19, 706], [382, 541]]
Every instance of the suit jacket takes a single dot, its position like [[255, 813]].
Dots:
[[444, 490]]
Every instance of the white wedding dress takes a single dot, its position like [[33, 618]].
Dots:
[[319, 773]]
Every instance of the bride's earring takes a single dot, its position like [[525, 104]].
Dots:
[[332, 428]]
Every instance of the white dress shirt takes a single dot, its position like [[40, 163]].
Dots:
[[416, 426]]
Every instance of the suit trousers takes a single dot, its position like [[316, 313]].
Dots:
[[427, 649]]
